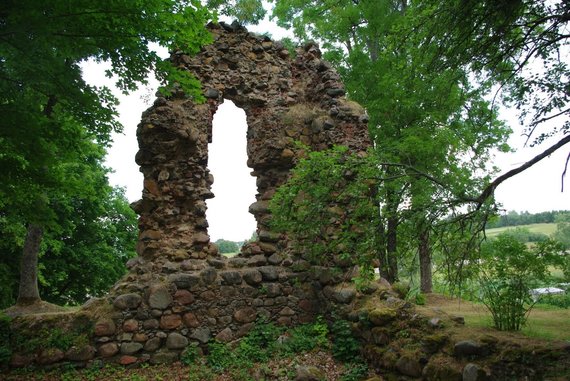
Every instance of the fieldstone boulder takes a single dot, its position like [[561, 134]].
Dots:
[[105, 327], [176, 341], [108, 350], [201, 334], [130, 348], [245, 315], [80, 353], [467, 348], [127, 301], [409, 366], [309, 373], [473, 372], [159, 296], [382, 316]]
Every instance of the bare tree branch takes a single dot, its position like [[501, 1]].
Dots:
[[490, 189]]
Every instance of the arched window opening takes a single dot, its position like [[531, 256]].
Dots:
[[234, 188]]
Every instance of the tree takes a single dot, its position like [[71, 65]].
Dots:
[[522, 47], [89, 236], [432, 131], [43, 98], [225, 246], [562, 233], [244, 11]]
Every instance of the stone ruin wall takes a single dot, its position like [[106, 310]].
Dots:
[[286, 101], [180, 291]]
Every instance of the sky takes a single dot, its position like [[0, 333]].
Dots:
[[535, 190]]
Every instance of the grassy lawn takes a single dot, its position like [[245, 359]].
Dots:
[[544, 322], [547, 229]]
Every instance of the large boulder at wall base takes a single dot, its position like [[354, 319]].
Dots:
[[127, 301]]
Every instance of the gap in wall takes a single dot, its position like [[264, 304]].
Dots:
[[234, 187]]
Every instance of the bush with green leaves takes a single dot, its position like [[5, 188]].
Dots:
[[355, 371], [324, 186], [258, 346], [220, 356], [307, 337], [345, 347], [190, 355], [507, 271]]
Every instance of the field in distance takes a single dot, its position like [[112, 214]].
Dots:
[[546, 228]]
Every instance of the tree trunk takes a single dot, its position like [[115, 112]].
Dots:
[[425, 261], [28, 290], [391, 248]]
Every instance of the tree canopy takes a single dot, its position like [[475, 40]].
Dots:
[[433, 131], [50, 114]]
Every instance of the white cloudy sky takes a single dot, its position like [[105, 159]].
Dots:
[[535, 190]]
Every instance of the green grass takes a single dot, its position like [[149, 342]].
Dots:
[[545, 322], [547, 229]]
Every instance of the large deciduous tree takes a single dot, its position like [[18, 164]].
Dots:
[[47, 109], [433, 131], [522, 47]]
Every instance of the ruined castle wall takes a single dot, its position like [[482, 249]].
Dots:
[[179, 290], [287, 101]]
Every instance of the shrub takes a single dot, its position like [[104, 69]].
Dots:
[[260, 343], [307, 337], [190, 355], [220, 356], [355, 371], [507, 272], [345, 347]]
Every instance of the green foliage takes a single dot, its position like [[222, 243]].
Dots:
[[433, 131], [258, 346], [190, 355], [260, 343], [520, 45], [562, 301], [514, 218], [244, 11], [355, 371], [562, 233], [306, 337], [345, 346], [330, 188], [525, 235], [55, 127], [96, 231], [225, 246], [508, 270], [220, 356], [200, 372]]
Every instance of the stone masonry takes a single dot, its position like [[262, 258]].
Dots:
[[179, 290]]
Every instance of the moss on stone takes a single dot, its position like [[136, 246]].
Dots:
[[382, 316]]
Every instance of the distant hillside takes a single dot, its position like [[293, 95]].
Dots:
[[545, 228]]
